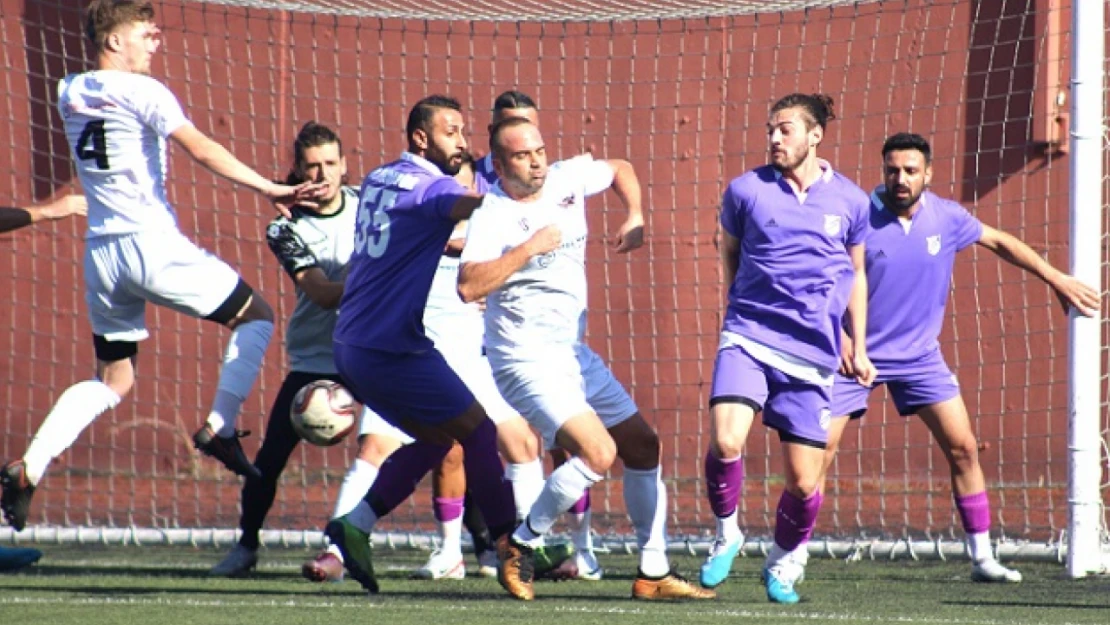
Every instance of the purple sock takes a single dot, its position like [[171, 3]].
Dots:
[[975, 512], [447, 508], [485, 478], [582, 505], [724, 479], [400, 474], [795, 519]]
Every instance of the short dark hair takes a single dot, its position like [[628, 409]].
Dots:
[[818, 107], [311, 135], [513, 99], [102, 17], [422, 112], [499, 129], [908, 141]]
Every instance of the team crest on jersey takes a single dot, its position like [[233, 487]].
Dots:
[[274, 231], [524, 224], [933, 244], [567, 202], [832, 225]]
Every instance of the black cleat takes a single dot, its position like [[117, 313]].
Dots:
[[15, 502], [227, 450]]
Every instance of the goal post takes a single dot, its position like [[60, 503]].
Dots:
[[681, 88]]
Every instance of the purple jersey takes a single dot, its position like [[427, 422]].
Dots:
[[909, 276], [794, 275], [484, 168], [402, 227]]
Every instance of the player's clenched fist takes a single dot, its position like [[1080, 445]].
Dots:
[[546, 239]]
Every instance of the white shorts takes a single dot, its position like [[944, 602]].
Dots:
[[373, 423], [564, 384], [474, 370], [124, 272]]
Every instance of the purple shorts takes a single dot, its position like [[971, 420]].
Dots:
[[420, 386], [912, 386], [798, 410]]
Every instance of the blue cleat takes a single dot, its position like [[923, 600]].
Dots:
[[780, 586], [17, 558], [717, 566]]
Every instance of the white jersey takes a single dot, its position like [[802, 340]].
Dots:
[[452, 324], [117, 124], [543, 303], [310, 240]]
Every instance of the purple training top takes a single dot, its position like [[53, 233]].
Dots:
[[909, 276], [402, 227], [484, 168], [795, 275]]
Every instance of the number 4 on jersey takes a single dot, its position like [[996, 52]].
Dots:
[[93, 133]]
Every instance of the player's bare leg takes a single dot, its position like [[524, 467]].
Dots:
[[78, 406], [951, 427], [724, 479], [251, 328]]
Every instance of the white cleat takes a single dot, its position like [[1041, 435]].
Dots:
[[993, 571], [237, 563], [487, 563], [442, 565], [589, 568]]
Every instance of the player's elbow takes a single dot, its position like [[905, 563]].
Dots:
[[468, 293]]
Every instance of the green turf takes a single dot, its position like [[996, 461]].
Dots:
[[168, 586]]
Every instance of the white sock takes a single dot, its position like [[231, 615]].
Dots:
[[646, 501], [564, 486], [242, 361], [451, 532], [78, 406], [980, 546], [363, 517], [580, 534], [727, 527], [356, 483], [527, 481]]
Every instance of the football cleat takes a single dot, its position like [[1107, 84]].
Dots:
[[717, 566], [237, 563], [670, 587], [15, 558], [442, 565], [15, 502], [325, 567], [992, 571], [583, 566], [227, 450], [548, 558], [779, 581], [354, 544], [515, 570]]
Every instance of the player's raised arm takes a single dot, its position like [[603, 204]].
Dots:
[[626, 185], [1069, 290], [217, 159], [13, 218]]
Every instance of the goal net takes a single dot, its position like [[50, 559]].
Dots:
[[679, 87]]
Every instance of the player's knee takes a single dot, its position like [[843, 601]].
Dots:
[[964, 454], [375, 449], [599, 454], [517, 442], [804, 487], [726, 445], [640, 448]]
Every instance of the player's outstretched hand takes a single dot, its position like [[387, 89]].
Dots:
[[546, 239], [630, 236], [865, 372], [1073, 293], [285, 197], [64, 207]]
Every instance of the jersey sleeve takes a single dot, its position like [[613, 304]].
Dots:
[[158, 108], [732, 218], [482, 234], [594, 176], [860, 219], [966, 228], [440, 197], [289, 248]]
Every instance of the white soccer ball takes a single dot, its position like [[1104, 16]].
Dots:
[[324, 412]]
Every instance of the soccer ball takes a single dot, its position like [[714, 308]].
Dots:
[[323, 412]]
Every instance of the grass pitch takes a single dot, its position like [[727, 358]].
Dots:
[[169, 586]]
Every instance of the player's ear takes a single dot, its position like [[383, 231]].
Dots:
[[420, 138], [816, 135], [928, 174]]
